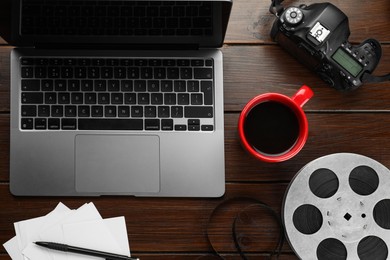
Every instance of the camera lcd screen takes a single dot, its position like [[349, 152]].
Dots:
[[347, 62]]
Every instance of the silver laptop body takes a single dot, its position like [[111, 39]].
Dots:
[[63, 146]]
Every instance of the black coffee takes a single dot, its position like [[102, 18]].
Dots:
[[271, 128]]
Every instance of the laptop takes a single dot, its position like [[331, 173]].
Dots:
[[117, 97]]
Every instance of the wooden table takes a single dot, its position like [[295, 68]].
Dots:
[[175, 228]]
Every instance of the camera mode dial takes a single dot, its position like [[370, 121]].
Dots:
[[293, 15]]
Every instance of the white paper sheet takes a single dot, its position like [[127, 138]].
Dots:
[[96, 235], [13, 249], [83, 227], [27, 231]]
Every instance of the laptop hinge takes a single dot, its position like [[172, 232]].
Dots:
[[87, 46]]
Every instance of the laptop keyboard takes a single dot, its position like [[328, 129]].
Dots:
[[117, 94], [117, 17]]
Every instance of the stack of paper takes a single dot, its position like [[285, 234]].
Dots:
[[83, 227]]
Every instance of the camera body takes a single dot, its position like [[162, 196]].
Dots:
[[317, 35]]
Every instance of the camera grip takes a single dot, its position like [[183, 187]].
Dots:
[[302, 95]]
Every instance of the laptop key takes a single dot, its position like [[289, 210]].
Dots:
[[152, 124], [43, 111], [207, 89], [183, 99], [97, 111], [110, 111], [47, 85], [207, 127], [27, 72], [110, 124], [84, 111], [180, 127], [27, 61], [150, 111], [173, 73], [32, 98], [50, 98], [107, 73], [198, 112], [186, 73], [163, 111], [93, 72], [100, 85], [68, 124], [193, 86], [54, 124], [166, 124], [197, 62], [193, 124], [53, 72], [60, 85], [31, 85], [40, 123], [27, 123], [57, 111], [176, 111], [123, 111], [196, 99], [70, 111], [203, 73], [29, 110], [63, 98], [137, 111]]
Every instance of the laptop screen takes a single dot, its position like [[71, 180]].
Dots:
[[120, 22]]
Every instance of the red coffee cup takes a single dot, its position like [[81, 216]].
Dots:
[[273, 127]]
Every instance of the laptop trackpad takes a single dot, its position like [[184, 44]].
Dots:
[[117, 163]]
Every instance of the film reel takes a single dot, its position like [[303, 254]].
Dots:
[[338, 207]]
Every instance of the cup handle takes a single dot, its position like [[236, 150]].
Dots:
[[302, 96]]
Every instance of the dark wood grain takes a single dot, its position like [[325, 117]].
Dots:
[[154, 224], [4, 78], [176, 228]]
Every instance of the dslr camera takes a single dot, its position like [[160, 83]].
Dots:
[[317, 35]]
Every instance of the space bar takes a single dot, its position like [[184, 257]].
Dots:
[[110, 124]]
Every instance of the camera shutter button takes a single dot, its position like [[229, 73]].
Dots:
[[293, 15]]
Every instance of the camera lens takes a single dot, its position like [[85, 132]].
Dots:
[[293, 15]]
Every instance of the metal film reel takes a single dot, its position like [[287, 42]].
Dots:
[[338, 207]]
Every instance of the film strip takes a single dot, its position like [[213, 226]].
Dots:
[[338, 207]]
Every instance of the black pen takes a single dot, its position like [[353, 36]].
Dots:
[[83, 251]]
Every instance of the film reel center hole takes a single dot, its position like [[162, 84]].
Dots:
[[347, 216]]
